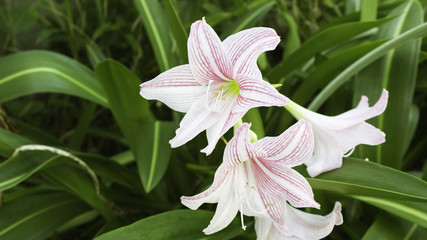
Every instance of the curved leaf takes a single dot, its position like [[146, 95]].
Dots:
[[38, 216], [128, 107], [155, 22], [319, 42], [153, 152], [177, 225], [38, 71], [415, 212], [397, 73], [365, 178]]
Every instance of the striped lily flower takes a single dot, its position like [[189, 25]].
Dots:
[[256, 178], [337, 136], [219, 85]]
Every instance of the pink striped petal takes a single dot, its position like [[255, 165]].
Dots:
[[206, 55], [311, 226], [176, 88], [220, 184], [215, 132], [257, 93], [245, 47], [197, 119], [239, 148], [275, 207], [293, 147], [277, 180]]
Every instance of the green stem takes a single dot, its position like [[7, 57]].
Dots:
[[364, 61]]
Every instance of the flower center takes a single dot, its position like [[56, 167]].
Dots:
[[217, 95]]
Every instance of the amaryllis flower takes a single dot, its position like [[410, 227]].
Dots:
[[338, 135], [298, 225], [255, 176], [220, 83]]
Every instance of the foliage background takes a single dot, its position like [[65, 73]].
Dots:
[[69, 76]]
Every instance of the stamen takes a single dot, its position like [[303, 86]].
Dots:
[[348, 153], [241, 218], [207, 92]]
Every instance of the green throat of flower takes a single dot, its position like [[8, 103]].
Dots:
[[225, 92]]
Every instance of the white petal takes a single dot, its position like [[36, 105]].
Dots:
[[278, 180], [197, 119], [239, 148], [226, 210], [293, 147], [176, 88], [227, 119], [222, 183], [257, 93], [327, 153], [245, 46], [312, 226], [266, 229], [362, 133], [206, 55]]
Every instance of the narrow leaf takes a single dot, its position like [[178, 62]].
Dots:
[[177, 225], [38, 216], [365, 178], [122, 90], [153, 152], [154, 20], [39, 71]]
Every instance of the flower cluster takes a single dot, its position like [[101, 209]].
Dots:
[[215, 90]]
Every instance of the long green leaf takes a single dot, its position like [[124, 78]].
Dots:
[[122, 89], [415, 212], [365, 178], [319, 42], [21, 166], [395, 72], [249, 19], [39, 71], [10, 141], [154, 20], [177, 28], [153, 152], [177, 225], [38, 216], [349, 72], [75, 181], [381, 229]]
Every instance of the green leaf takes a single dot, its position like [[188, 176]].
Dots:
[[153, 152], [128, 107], [319, 42], [349, 72], [177, 225], [249, 19], [10, 141], [77, 182], [415, 212], [381, 229], [38, 216], [154, 20], [364, 178], [177, 28], [21, 166], [39, 71], [395, 72]]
